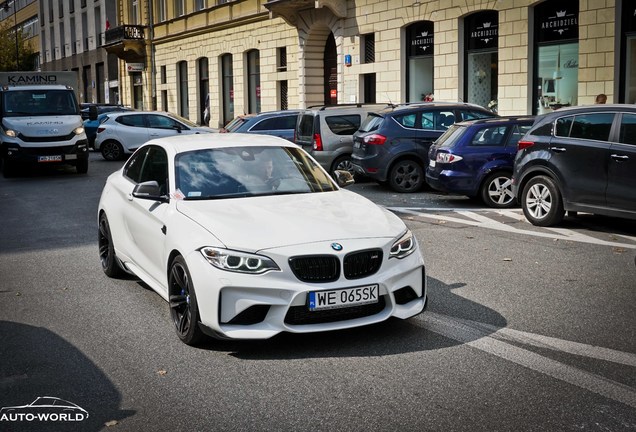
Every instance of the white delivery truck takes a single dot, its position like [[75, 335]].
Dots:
[[40, 121]]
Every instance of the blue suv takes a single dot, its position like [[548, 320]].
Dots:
[[476, 158]]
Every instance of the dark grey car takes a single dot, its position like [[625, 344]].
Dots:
[[277, 123], [580, 159]]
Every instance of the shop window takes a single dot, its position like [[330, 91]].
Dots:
[[253, 82], [481, 33], [227, 88], [182, 78], [420, 50]]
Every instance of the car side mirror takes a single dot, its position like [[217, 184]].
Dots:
[[92, 112], [344, 178], [149, 190]]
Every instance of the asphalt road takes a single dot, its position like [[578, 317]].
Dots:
[[528, 329]]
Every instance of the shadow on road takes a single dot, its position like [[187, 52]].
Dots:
[[391, 337], [36, 363]]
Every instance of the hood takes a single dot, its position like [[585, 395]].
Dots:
[[43, 125], [258, 223]]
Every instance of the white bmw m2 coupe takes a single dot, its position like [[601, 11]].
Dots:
[[247, 236]]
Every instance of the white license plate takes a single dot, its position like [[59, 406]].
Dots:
[[356, 144], [431, 163], [347, 297], [56, 158]]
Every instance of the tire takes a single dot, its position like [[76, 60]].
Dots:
[[9, 168], [541, 202], [496, 191], [112, 150], [110, 265], [82, 166], [184, 309], [406, 176], [342, 163]]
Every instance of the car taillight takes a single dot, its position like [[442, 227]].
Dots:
[[317, 142], [100, 129], [524, 144], [447, 158], [374, 139]]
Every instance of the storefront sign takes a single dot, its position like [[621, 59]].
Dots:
[[420, 38], [558, 21], [482, 30], [135, 67]]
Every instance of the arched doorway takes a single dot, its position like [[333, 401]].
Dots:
[[331, 71]]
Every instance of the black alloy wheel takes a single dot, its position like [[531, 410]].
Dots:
[[406, 176], [110, 266], [183, 303], [112, 150]]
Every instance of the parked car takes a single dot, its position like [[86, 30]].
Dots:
[[100, 109], [326, 133], [476, 157], [277, 123], [123, 132], [392, 144], [579, 159], [90, 126], [239, 256]]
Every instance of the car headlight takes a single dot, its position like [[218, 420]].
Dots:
[[240, 262], [404, 246], [78, 130], [11, 133]]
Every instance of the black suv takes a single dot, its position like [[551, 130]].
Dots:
[[580, 159], [392, 145]]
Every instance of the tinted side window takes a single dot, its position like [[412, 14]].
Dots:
[[406, 120], [563, 126], [155, 168], [276, 123], [306, 127], [134, 165], [492, 136], [161, 122], [136, 120], [471, 115], [343, 124], [628, 129], [592, 126], [444, 119]]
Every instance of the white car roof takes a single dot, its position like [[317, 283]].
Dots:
[[185, 143]]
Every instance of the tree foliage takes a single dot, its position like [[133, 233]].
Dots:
[[26, 54]]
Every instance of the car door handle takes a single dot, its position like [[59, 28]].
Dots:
[[619, 158], [558, 149]]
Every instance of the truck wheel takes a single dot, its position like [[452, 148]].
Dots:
[[8, 168], [82, 166], [112, 150], [406, 176]]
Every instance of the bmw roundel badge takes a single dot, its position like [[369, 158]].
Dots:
[[336, 246]]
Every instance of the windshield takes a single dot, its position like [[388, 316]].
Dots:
[[248, 171], [235, 124], [184, 120], [16, 103]]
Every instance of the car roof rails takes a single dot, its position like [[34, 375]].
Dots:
[[353, 105]]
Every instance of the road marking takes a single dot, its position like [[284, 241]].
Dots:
[[494, 341], [478, 220]]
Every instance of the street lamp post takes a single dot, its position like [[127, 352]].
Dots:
[[15, 30]]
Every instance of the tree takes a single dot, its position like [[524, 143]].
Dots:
[[26, 54]]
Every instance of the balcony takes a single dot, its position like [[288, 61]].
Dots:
[[127, 42], [289, 9]]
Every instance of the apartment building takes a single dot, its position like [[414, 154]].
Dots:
[[243, 56], [23, 14], [71, 38]]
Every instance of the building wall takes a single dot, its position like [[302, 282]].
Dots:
[[245, 24], [27, 11]]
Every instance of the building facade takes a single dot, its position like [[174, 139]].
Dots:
[[243, 56], [23, 14], [71, 38]]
